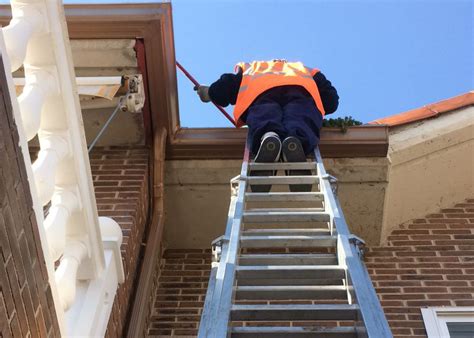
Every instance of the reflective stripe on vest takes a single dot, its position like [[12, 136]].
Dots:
[[259, 76]]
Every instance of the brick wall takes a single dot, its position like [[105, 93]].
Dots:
[[26, 304], [120, 177], [182, 289], [429, 262]]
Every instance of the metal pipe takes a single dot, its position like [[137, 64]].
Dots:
[[111, 117]]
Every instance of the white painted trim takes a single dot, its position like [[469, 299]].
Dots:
[[436, 319], [83, 81]]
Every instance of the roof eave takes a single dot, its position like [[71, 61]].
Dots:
[[227, 143]]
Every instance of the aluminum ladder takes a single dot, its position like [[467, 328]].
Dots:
[[288, 257]]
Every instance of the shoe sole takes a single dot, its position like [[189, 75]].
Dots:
[[293, 152], [268, 152]]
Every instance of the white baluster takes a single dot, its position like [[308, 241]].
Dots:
[[63, 204], [54, 148], [40, 84], [66, 273], [27, 20]]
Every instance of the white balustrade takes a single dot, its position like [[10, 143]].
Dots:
[[88, 249], [66, 273], [27, 19], [63, 204], [54, 148], [40, 84]]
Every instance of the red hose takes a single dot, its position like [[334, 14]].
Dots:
[[194, 81]]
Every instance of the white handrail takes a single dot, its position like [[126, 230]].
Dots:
[[49, 107]]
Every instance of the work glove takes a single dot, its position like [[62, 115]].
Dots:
[[203, 92]]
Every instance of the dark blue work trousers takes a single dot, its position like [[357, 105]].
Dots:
[[287, 111]]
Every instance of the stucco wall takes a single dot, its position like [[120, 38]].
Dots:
[[197, 196], [432, 167]]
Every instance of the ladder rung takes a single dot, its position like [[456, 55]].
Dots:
[[286, 232], [285, 209], [256, 180], [294, 312], [287, 241], [284, 196], [290, 272], [282, 165], [294, 332], [285, 216], [284, 281], [291, 292], [288, 259]]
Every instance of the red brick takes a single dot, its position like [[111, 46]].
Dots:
[[460, 226], [407, 323], [399, 283], [448, 220], [425, 289], [460, 215], [398, 331], [411, 232], [451, 210], [436, 247], [453, 296], [429, 237], [411, 243], [403, 296], [421, 303], [443, 272], [435, 216], [451, 231], [428, 226], [419, 265], [446, 283]]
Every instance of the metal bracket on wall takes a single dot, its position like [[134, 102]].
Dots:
[[216, 246], [332, 181], [360, 245]]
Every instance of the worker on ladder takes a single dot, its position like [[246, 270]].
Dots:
[[283, 103]]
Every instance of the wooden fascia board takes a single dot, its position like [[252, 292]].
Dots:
[[228, 143]]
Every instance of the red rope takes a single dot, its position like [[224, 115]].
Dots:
[[194, 81]]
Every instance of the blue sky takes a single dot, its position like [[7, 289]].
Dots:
[[384, 57]]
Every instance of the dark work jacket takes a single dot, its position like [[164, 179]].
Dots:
[[224, 91]]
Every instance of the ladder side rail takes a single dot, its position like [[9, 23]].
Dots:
[[371, 312], [206, 312], [321, 173], [223, 290], [221, 245]]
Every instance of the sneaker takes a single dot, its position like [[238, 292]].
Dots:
[[269, 151], [293, 152]]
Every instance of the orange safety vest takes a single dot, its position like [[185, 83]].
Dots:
[[259, 76]]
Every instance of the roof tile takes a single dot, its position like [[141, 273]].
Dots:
[[428, 111]]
